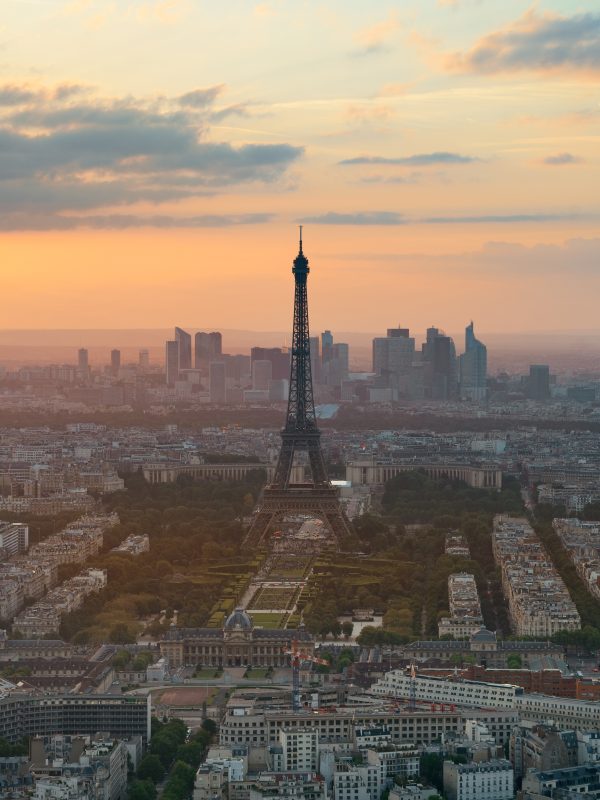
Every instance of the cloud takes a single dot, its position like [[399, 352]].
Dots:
[[27, 222], [478, 219], [359, 218], [547, 43], [561, 158], [374, 38], [11, 95], [200, 98], [236, 110], [419, 160], [394, 218], [59, 154], [369, 112], [413, 177]]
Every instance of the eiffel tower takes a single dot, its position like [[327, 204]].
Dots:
[[281, 497]]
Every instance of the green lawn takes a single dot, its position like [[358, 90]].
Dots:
[[269, 620], [257, 673], [206, 673]]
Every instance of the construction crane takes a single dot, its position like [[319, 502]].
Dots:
[[297, 656], [412, 698]]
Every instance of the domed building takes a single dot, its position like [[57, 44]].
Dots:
[[239, 643]]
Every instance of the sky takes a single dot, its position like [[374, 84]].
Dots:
[[156, 157]]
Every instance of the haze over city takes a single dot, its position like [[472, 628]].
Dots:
[[157, 154], [299, 400]]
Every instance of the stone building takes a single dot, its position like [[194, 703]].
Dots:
[[239, 643]]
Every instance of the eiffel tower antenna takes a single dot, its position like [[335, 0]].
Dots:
[[300, 433]]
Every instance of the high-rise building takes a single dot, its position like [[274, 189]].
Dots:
[[82, 360], [339, 364], [280, 360], [326, 346], [172, 361], [208, 347], [144, 359], [262, 374], [439, 355], [217, 381], [393, 357], [473, 367], [185, 348], [14, 537], [333, 364], [538, 382], [115, 362], [315, 358]]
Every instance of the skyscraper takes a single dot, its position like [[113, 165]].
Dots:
[[326, 346], [185, 348], [144, 359], [262, 373], [280, 360], [538, 382], [82, 360], [172, 362], [473, 367], [315, 358], [217, 382], [439, 355], [208, 347], [393, 357], [334, 360], [115, 362]]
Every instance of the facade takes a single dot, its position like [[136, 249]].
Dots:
[[300, 749], [172, 362], [393, 357], [115, 362], [121, 716], [184, 342], [484, 646], [372, 473], [583, 781], [217, 381], [398, 684], [566, 711], [262, 374], [238, 643], [473, 367], [465, 610], [538, 601], [168, 473], [439, 356], [14, 538], [538, 382], [488, 780], [208, 347]]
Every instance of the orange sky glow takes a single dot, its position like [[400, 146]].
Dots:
[[156, 157]]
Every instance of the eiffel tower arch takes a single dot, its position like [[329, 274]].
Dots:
[[300, 434]]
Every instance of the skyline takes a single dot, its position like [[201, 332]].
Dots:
[[442, 156]]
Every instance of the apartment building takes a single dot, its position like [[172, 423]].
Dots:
[[488, 780], [465, 609], [457, 692], [538, 601]]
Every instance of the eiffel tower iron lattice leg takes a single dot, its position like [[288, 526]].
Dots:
[[318, 498]]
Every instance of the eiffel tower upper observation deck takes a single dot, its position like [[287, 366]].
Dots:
[[317, 497]]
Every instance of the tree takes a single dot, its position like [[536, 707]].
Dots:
[[210, 726], [514, 661], [141, 790], [151, 768], [121, 659], [347, 628], [120, 634]]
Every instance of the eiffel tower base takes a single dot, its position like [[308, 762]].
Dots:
[[317, 502]]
